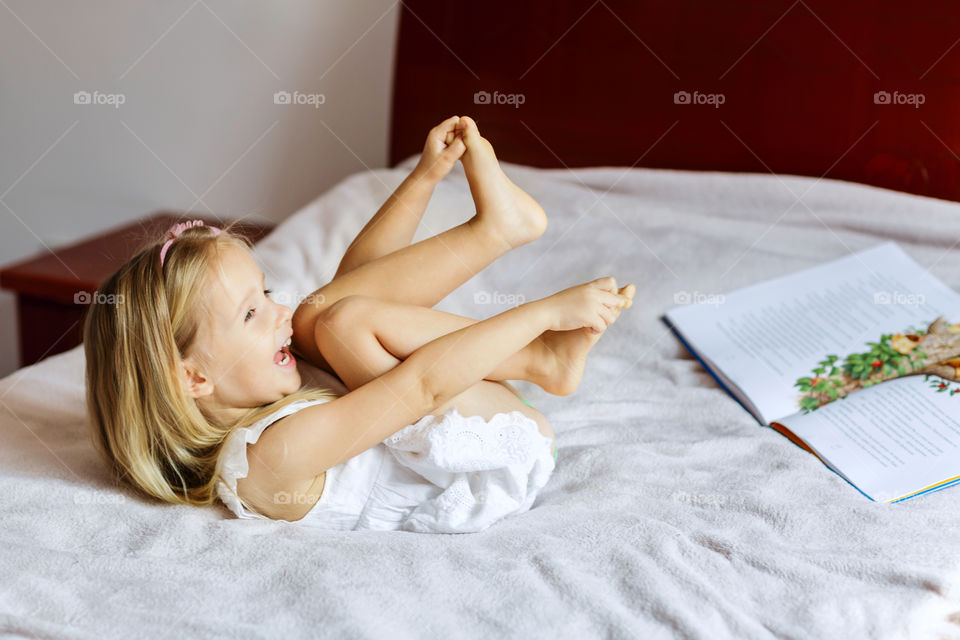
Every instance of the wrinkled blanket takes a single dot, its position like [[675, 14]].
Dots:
[[671, 512]]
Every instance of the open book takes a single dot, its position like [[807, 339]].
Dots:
[[855, 361]]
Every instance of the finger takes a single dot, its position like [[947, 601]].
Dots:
[[624, 302], [456, 149], [439, 132], [447, 125], [608, 283], [613, 300], [609, 315], [452, 135]]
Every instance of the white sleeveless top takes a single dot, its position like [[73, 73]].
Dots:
[[453, 475]]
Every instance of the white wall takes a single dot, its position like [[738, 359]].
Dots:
[[198, 119]]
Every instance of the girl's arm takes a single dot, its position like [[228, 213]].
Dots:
[[395, 223], [307, 443], [452, 363]]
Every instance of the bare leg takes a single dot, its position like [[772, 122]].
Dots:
[[554, 361], [357, 356], [503, 211], [394, 225], [422, 274], [426, 272], [389, 332]]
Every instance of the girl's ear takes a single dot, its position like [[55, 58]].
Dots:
[[195, 383]]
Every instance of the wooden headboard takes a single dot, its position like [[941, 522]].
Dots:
[[860, 91]]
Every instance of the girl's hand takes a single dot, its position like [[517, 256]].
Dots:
[[443, 148], [594, 304]]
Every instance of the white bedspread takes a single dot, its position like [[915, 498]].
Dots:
[[672, 513]]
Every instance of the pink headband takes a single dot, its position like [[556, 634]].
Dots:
[[175, 231]]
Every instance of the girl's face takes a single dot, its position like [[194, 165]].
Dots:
[[233, 363]]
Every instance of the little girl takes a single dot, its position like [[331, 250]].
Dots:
[[192, 363]]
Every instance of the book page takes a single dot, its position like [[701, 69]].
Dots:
[[890, 440], [766, 336]]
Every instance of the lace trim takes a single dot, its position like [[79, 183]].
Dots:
[[468, 443]]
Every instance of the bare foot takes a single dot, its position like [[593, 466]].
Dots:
[[503, 209], [563, 354]]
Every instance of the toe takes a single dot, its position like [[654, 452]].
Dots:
[[471, 134]]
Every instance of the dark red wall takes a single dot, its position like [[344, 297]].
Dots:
[[598, 81]]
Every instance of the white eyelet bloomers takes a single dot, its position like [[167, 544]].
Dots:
[[453, 475]]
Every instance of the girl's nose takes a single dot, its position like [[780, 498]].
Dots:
[[284, 314]]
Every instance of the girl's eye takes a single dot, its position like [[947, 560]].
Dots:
[[250, 313]]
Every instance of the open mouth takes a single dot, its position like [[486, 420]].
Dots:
[[283, 357]]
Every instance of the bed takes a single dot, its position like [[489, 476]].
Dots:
[[672, 512]]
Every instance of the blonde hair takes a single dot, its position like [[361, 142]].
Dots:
[[142, 322]]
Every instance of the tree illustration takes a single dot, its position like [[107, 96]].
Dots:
[[933, 352]]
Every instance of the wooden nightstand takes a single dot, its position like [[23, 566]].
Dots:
[[54, 289]]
